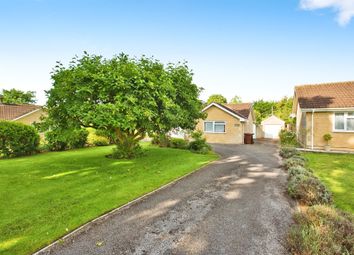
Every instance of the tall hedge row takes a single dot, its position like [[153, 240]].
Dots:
[[17, 139]]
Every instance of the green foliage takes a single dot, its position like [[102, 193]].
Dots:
[[162, 140], [321, 230], [308, 190], [58, 140], [109, 134], [127, 151], [263, 109], [199, 145], [288, 152], [178, 143], [281, 109], [299, 170], [327, 137], [96, 140], [216, 98], [294, 161], [236, 100], [17, 139], [288, 138], [129, 97], [15, 96]]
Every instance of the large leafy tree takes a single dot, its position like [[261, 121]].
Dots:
[[236, 100], [15, 96], [126, 96], [281, 109], [217, 98]]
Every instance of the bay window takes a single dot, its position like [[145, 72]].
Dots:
[[344, 121]]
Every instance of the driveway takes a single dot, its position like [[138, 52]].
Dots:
[[236, 205]]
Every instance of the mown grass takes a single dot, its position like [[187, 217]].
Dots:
[[337, 172], [43, 197]]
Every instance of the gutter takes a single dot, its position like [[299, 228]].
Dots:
[[327, 109]]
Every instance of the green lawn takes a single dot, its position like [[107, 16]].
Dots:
[[43, 197], [337, 172]]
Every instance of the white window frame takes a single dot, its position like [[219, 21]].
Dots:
[[213, 132], [345, 130]]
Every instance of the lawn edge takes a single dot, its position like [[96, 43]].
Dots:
[[124, 206]]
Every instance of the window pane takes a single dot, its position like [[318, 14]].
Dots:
[[219, 127], [339, 121], [350, 124], [350, 114], [208, 126]]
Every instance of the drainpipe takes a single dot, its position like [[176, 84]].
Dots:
[[312, 129]]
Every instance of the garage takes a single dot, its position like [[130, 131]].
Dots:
[[272, 126]]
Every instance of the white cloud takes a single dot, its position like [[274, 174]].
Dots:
[[344, 8]]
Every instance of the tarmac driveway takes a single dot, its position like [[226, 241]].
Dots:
[[236, 205]]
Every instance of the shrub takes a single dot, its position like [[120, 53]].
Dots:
[[287, 138], [322, 230], [109, 134], [17, 139], [308, 190], [161, 140], [178, 143], [299, 170], [294, 161], [122, 152], [59, 139], [288, 152], [96, 140], [199, 145]]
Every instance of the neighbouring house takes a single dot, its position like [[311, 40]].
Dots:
[[227, 123], [325, 109], [271, 127], [24, 113]]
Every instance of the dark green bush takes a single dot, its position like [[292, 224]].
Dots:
[[199, 145], [58, 140], [322, 230], [288, 138], [294, 161], [288, 152], [121, 151], [17, 139], [178, 143], [308, 190]]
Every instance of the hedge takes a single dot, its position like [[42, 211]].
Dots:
[[17, 139]]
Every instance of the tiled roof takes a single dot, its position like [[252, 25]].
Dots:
[[242, 109], [326, 95], [14, 111]]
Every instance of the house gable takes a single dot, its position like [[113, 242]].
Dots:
[[225, 109]]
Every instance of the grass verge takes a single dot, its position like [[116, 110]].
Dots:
[[45, 196], [337, 172]]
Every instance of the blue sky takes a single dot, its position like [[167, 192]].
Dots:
[[254, 49]]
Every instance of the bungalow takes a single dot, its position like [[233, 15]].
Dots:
[[325, 109], [227, 123], [24, 113]]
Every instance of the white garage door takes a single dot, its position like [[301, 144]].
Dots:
[[271, 131]]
